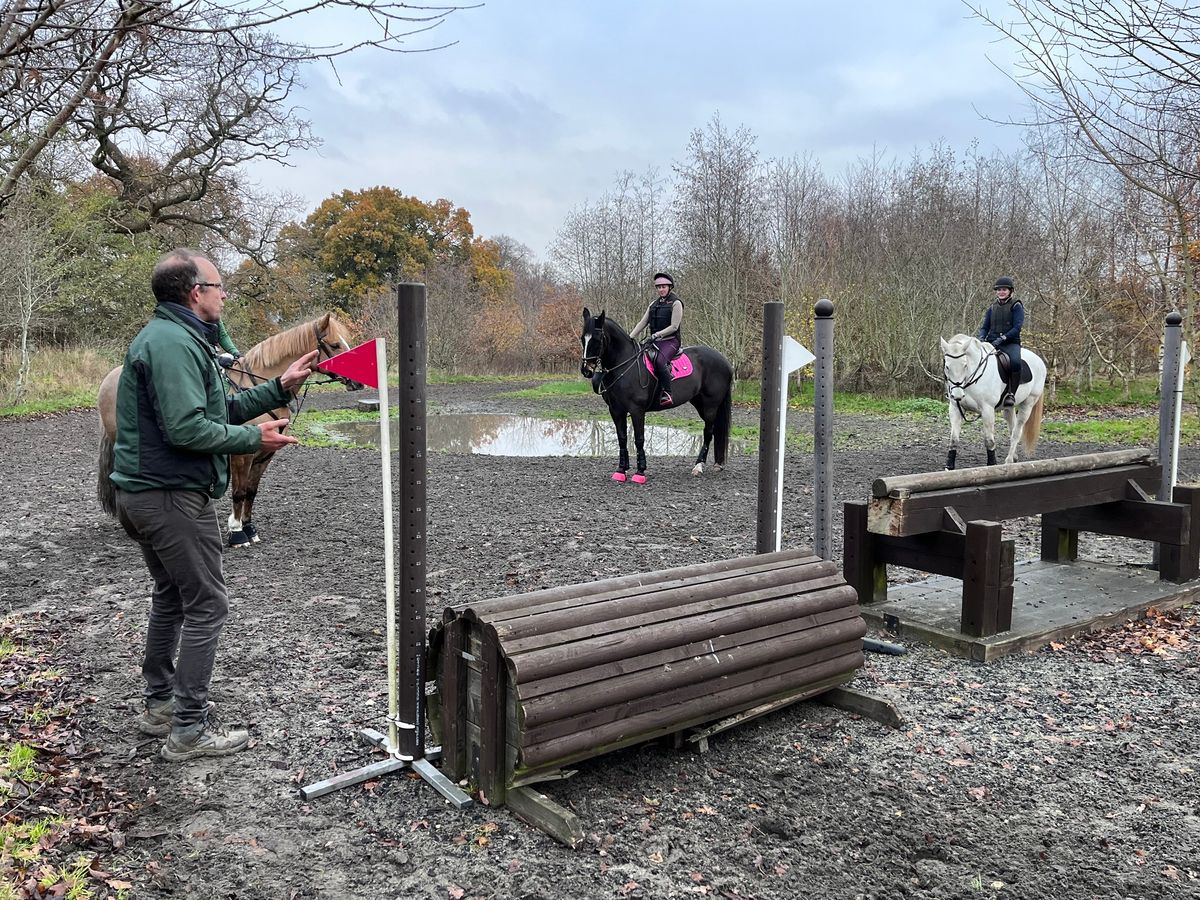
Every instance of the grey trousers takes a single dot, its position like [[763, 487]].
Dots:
[[181, 543]]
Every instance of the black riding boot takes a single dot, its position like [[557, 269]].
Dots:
[[664, 384], [1014, 382]]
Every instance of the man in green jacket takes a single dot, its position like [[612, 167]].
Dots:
[[175, 430]]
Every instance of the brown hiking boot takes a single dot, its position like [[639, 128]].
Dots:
[[208, 738], [156, 716]]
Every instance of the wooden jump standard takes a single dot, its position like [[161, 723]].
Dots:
[[531, 683], [949, 523]]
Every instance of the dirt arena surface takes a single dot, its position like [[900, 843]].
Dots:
[[1068, 773]]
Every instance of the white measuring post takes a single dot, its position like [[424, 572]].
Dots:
[[795, 357], [389, 564]]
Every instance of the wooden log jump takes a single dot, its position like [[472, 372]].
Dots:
[[531, 683], [949, 523]]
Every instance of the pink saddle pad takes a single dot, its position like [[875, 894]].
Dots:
[[681, 366]]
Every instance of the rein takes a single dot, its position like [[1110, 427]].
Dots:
[[988, 353], [620, 368], [325, 350]]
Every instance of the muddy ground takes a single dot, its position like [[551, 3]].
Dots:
[[1068, 773]]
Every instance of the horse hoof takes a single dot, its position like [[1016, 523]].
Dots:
[[618, 476], [639, 478], [251, 532], [238, 539]]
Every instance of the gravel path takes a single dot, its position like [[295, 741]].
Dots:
[[1067, 773]]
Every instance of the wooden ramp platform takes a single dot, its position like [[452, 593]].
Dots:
[[1052, 601]]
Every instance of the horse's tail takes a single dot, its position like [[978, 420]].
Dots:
[[1033, 427], [722, 425], [105, 492]]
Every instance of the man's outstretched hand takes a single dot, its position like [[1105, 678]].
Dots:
[[273, 437], [298, 371]]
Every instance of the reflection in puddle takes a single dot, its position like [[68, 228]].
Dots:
[[524, 436]]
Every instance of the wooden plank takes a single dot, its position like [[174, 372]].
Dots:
[[982, 579], [637, 639], [600, 612], [1059, 543], [864, 572], [670, 655], [906, 485], [1165, 523], [454, 702], [656, 682], [727, 703], [939, 552], [923, 513], [872, 707], [1181, 562], [546, 816], [501, 608], [694, 706], [492, 778]]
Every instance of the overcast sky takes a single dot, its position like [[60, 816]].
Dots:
[[540, 103]]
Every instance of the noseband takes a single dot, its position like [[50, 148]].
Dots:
[[970, 379]]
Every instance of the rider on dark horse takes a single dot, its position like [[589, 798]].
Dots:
[[663, 317], [1002, 329]]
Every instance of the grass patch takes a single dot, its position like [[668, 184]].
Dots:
[[311, 427], [18, 762], [59, 379], [1142, 392], [552, 390], [1142, 430], [21, 839]]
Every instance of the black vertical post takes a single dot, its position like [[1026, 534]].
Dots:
[[770, 398], [823, 431], [411, 355]]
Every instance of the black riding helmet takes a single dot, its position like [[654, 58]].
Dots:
[[665, 276], [1003, 282]]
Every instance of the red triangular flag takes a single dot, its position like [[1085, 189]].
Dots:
[[357, 364]]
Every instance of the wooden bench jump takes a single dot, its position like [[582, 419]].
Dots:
[[949, 523]]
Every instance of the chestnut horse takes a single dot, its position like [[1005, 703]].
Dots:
[[262, 362]]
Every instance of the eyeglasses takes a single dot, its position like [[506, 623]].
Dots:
[[215, 284]]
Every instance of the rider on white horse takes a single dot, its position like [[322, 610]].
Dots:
[[1001, 328]]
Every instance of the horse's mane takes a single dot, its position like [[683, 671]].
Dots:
[[286, 345], [960, 341]]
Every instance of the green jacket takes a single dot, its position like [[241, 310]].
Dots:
[[173, 415], [224, 339]]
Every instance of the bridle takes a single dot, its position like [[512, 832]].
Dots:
[[593, 363], [975, 375], [325, 350]]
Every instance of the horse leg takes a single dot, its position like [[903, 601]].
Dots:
[[622, 427], [710, 426], [1016, 425], [239, 479], [987, 417], [639, 441], [956, 423], [257, 470]]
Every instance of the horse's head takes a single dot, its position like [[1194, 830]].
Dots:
[[594, 341], [963, 362], [333, 337]]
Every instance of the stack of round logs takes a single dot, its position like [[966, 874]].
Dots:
[[532, 682]]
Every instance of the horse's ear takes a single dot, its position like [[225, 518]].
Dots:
[[600, 319], [586, 315], [323, 322], [945, 346]]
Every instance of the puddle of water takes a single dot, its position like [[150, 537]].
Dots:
[[496, 435]]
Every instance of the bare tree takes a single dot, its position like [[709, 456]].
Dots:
[[1124, 80], [104, 69]]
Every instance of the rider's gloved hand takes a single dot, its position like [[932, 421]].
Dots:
[[236, 355], [997, 342]]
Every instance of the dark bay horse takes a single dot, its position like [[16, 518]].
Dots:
[[262, 362], [701, 376]]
